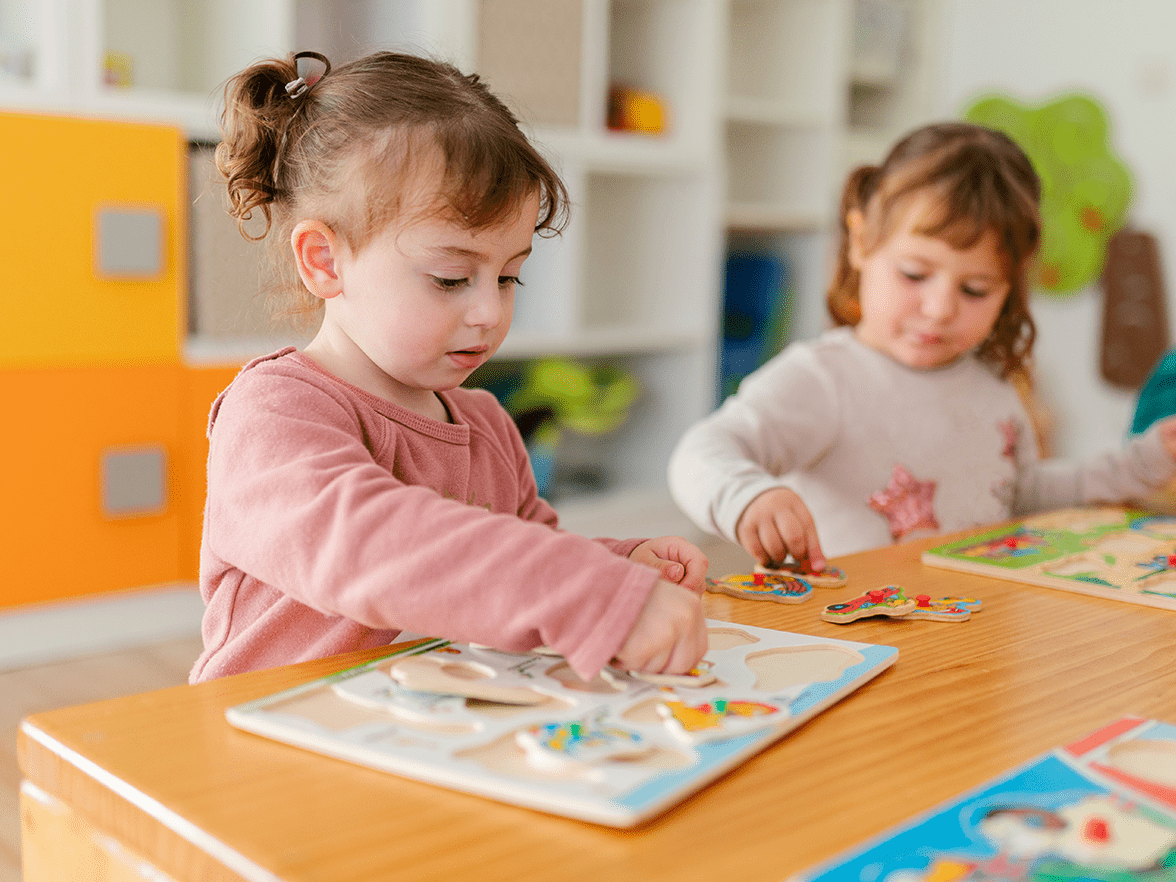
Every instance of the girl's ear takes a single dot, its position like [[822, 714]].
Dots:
[[316, 251], [853, 225]]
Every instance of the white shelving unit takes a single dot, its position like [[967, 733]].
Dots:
[[764, 100], [635, 278], [815, 88]]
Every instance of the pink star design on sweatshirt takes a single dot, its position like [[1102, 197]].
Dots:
[[906, 503], [1009, 430]]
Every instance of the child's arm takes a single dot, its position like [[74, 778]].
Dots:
[[1134, 472], [304, 523], [784, 417]]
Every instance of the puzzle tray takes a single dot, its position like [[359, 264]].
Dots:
[[804, 676]]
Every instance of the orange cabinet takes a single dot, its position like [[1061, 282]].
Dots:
[[90, 362], [61, 174]]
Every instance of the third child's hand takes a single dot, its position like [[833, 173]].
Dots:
[[669, 636], [676, 559], [777, 524], [1168, 435]]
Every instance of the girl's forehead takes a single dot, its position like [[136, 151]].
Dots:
[[926, 213]]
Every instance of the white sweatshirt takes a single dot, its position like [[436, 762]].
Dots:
[[842, 424]]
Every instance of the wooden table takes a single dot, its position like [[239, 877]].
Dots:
[[163, 777]]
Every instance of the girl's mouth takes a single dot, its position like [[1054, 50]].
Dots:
[[469, 358]]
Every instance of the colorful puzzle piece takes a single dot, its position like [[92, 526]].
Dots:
[[589, 741], [717, 718], [892, 601], [762, 586], [889, 601], [943, 609], [829, 577]]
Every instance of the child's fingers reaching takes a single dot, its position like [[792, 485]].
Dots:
[[773, 547], [676, 559], [777, 524], [799, 533], [669, 635], [1168, 435]]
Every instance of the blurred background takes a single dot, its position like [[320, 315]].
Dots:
[[704, 143]]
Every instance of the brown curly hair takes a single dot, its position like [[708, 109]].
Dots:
[[346, 150], [982, 181]]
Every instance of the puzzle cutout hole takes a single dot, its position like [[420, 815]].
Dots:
[[729, 638], [777, 669], [1150, 760]]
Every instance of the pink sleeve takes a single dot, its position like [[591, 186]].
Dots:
[[297, 501]]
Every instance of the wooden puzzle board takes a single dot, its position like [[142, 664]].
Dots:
[[1114, 552], [614, 751], [1102, 809]]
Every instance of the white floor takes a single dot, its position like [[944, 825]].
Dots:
[[74, 628]]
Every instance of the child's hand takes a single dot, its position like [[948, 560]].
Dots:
[[669, 636], [1168, 435], [777, 523], [676, 559]]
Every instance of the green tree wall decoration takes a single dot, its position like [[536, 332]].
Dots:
[[1086, 188]]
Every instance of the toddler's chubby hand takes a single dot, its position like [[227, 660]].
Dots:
[[776, 524], [676, 559], [1168, 435], [669, 635]]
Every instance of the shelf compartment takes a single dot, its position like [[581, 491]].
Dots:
[[664, 47], [177, 46], [804, 79], [778, 175], [644, 237]]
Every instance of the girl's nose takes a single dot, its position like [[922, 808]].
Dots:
[[489, 306], [939, 301]]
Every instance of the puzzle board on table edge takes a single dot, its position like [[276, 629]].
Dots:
[[473, 746], [1114, 552], [1120, 778]]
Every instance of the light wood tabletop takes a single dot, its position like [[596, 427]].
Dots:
[[165, 777]]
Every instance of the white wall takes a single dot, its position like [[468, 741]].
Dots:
[[1123, 52]]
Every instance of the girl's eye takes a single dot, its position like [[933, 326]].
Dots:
[[509, 282], [449, 284], [975, 293], [913, 275]]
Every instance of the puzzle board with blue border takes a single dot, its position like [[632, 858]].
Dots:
[[1115, 552], [1102, 809], [523, 728]]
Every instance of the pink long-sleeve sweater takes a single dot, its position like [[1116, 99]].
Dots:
[[335, 520]]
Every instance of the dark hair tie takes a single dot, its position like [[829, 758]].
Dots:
[[308, 72]]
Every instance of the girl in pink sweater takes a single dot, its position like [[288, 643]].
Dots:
[[355, 490]]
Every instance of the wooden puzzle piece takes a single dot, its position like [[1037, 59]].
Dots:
[[889, 601], [943, 609], [718, 717], [588, 741], [376, 690], [829, 577], [762, 586], [426, 673], [696, 677]]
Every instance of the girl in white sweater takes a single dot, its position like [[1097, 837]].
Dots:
[[902, 420]]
